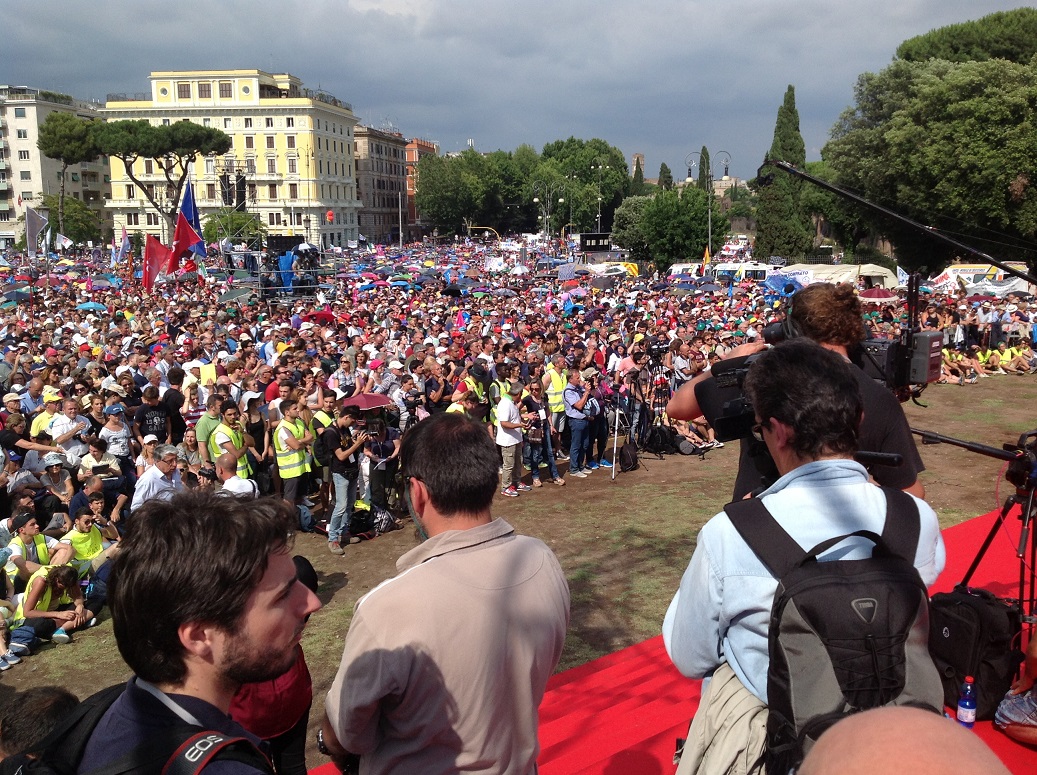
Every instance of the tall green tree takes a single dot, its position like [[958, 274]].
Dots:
[[233, 224], [675, 225], [69, 139], [637, 185], [627, 231], [173, 147], [704, 169], [1010, 35], [80, 223], [665, 177], [782, 227]]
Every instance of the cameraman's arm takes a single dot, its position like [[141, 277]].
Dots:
[[683, 405]]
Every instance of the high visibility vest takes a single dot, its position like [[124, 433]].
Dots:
[[555, 402], [238, 440], [477, 387], [43, 604], [42, 554], [502, 390], [291, 463], [456, 408]]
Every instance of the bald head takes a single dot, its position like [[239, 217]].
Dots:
[[899, 740], [226, 466]]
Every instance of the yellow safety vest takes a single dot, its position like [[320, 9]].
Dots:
[[555, 402], [42, 554], [291, 463], [44, 602], [502, 390], [475, 386], [244, 470]]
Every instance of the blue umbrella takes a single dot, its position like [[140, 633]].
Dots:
[[91, 306], [400, 284], [366, 287]]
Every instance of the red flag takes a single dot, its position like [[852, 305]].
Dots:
[[459, 322], [184, 236], [156, 256]]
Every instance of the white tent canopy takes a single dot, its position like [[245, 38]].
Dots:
[[875, 276]]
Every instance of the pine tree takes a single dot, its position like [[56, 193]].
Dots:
[[665, 177], [637, 188], [782, 228]]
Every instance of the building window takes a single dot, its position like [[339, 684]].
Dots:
[[291, 141], [210, 190], [205, 91], [226, 123], [250, 166], [250, 142], [131, 192], [252, 192], [293, 166], [271, 166], [149, 167], [5, 216], [210, 166], [293, 190], [75, 177], [165, 122], [206, 122], [152, 219], [290, 121], [183, 91], [271, 191], [23, 155], [269, 122], [248, 123], [25, 175], [19, 112], [132, 219], [270, 142], [23, 134], [226, 90]]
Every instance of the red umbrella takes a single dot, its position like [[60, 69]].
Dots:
[[878, 294], [369, 275], [366, 401], [323, 317]]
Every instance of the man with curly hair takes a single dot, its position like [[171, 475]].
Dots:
[[830, 315]]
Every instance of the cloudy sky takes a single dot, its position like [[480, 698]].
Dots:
[[659, 77]]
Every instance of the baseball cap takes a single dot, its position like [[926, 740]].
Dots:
[[149, 438], [395, 365], [12, 397], [114, 409]]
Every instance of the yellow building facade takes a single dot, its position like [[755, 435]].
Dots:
[[291, 163]]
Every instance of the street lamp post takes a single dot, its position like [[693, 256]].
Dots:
[[691, 162], [601, 170], [544, 196]]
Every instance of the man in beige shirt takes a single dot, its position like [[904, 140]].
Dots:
[[445, 665]]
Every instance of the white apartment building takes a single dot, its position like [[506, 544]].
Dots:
[[26, 175]]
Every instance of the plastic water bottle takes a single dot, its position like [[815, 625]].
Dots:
[[967, 702]]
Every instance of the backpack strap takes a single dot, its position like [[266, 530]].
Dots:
[[903, 524], [65, 745], [760, 530]]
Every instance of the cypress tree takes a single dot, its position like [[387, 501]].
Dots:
[[665, 177], [637, 188], [782, 228], [704, 169]]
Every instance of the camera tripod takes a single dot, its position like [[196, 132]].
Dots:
[[1022, 472]]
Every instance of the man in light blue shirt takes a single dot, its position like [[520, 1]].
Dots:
[[808, 409]]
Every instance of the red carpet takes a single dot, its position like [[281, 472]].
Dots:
[[621, 714]]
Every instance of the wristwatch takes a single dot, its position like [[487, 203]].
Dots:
[[321, 746]]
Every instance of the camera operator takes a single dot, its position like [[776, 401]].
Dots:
[[831, 316]]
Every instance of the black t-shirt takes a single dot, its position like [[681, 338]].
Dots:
[[173, 400], [152, 419], [9, 441], [332, 441], [883, 429]]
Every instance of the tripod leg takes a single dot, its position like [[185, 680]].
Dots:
[[1009, 502]]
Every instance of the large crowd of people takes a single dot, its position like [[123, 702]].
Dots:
[[115, 397]]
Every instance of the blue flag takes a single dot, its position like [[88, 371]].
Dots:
[[190, 211]]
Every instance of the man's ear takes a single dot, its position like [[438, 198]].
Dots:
[[197, 639]]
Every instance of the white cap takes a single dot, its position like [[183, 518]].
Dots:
[[395, 365]]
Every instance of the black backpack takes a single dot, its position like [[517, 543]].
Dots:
[[844, 635], [181, 749], [628, 457], [661, 440], [972, 632]]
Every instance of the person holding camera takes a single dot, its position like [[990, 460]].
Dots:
[[830, 315], [346, 448], [576, 395]]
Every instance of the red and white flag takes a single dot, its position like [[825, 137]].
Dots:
[[156, 257]]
